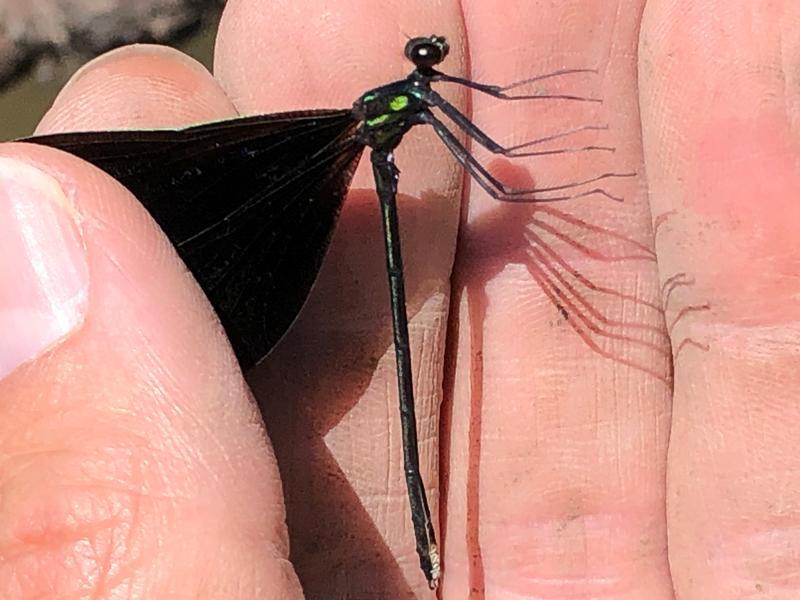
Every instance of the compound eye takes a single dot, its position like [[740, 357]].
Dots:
[[426, 52]]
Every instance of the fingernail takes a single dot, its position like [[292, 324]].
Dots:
[[44, 278]]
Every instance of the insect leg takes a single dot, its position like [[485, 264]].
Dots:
[[499, 190], [476, 133], [498, 91]]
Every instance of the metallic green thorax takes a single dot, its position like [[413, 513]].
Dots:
[[388, 112]]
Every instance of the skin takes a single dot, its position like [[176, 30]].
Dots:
[[558, 470]]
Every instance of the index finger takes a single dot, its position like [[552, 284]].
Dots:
[[329, 389], [561, 403]]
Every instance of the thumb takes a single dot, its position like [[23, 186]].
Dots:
[[131, 454]]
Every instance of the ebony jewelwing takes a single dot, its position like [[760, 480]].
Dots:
[[250, 204]]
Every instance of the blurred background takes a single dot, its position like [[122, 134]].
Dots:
[[43, 42]]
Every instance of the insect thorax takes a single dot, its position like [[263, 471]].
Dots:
[[387, 112]]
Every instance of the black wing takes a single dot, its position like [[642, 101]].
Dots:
[[249, 203]]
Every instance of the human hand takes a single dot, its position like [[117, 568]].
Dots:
[[131, 452]]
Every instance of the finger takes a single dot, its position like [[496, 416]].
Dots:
[[331, 403], [721, 110], [132, 455], [560, 406], [140, 86]]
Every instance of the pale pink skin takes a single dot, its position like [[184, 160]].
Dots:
[[132, 459]]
